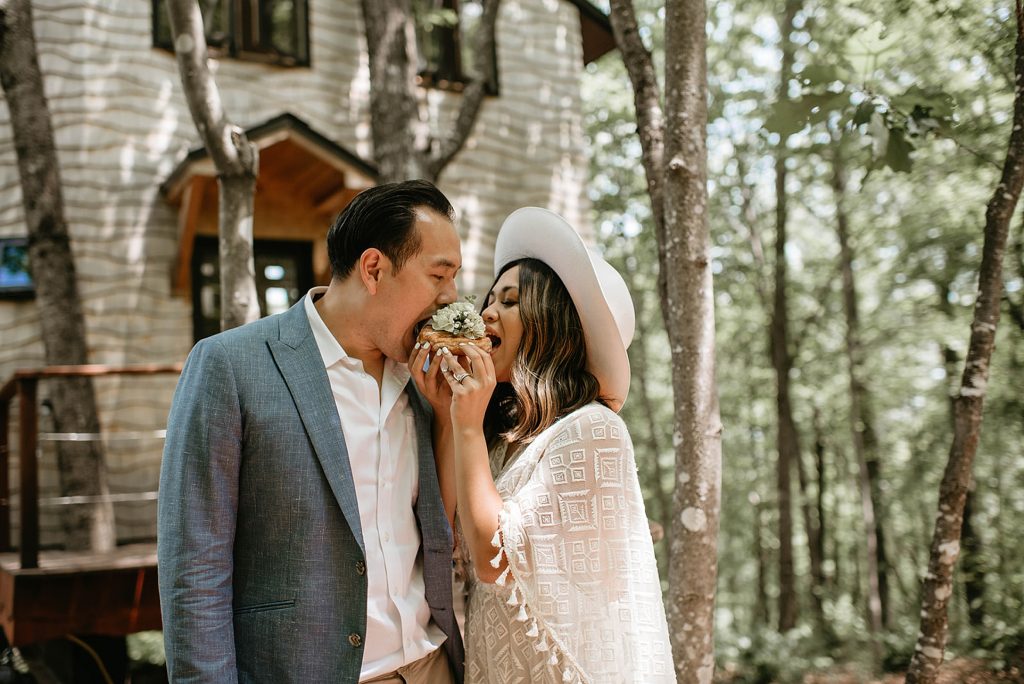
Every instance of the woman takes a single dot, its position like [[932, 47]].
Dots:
[[563, 581]]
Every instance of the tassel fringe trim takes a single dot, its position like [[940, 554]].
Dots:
[[570, 672]]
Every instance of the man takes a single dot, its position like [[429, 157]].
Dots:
[[301, 534]]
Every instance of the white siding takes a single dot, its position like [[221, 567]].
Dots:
[[121, 126]]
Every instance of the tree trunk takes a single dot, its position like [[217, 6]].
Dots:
[[865, 443], [931, 642], [82, 467], [677, 180], [813, 546], [235, 159], [403, 146], [973, 562], [691, 332], [762, 615], [819, 468], [398, 133], [973, 565], [787, 438]]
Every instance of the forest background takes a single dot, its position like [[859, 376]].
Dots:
[[852, 148], [893, 129]]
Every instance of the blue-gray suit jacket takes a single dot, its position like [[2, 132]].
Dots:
[[261, 558]]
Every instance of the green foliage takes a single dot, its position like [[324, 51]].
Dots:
[[916, 95]]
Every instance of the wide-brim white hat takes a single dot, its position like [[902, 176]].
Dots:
[[601, 296]]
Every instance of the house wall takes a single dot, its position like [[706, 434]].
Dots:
[[122, 125]]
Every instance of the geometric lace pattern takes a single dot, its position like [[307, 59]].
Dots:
[[580, 601]]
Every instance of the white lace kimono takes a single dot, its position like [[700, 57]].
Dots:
[[581, 600]]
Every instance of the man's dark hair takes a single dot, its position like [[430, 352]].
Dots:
[[382, 217]]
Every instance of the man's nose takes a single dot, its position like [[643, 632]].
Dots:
[[449, 294]]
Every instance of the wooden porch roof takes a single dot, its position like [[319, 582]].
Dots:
[[303, 175]]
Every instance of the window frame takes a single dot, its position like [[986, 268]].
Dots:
[[239, 42], [453, 77]]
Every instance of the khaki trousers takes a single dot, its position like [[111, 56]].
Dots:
[[430, 669]]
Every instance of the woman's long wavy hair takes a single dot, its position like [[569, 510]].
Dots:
[[549, 377]]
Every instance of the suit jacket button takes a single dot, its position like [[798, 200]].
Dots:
[[360, 567], [355, 640]]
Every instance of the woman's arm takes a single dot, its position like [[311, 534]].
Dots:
[[434, 388], [479, 501]]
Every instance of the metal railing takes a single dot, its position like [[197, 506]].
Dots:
[[24, 384]]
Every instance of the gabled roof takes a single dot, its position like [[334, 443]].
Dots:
[[286, 125], [596, 29]]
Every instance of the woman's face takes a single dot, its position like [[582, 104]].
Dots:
[[504, 325]]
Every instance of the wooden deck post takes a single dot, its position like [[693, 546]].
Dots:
[[5, 479], [29, 472]]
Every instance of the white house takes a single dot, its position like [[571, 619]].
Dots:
[[140, 198]]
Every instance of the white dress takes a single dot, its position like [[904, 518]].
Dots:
[[580, 601]]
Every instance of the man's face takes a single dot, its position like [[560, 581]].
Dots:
[[425, 283]]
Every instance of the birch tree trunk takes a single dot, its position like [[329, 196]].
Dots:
[[786, 435], [675, 159], [403, 145], [693, 563], [865, 443], [235, 159], [81, 464], [945, 547]]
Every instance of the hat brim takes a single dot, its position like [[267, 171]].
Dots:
[[595, 287]]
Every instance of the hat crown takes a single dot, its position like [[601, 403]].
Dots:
[[616, 294], [597, 290]]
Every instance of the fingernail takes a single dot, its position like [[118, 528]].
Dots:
[[416, 346]]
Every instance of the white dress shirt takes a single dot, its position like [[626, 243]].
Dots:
[[381, 439]]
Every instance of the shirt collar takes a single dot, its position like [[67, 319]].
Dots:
[[331, 350]]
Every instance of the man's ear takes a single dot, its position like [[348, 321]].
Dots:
[[372, 266]]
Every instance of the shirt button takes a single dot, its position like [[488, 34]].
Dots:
[[360, 568], [355, 640], [386, 537]]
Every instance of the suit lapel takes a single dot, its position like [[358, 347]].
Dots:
[[298, 358]]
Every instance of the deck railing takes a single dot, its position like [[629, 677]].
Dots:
[[24, 385]]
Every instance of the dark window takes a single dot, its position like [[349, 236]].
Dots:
[[445, 33], [275, 31], [15, 278], [284, 273]]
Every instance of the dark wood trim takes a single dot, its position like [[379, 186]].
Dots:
[[29, 472], [5, 478]]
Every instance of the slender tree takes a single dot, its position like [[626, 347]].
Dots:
[[81, 463], [235, 159], [782, 361], [865, 442], [674, 153], [945, 546], [403, 145]]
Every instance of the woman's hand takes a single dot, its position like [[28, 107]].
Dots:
[[471, 386], [431, 384]]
